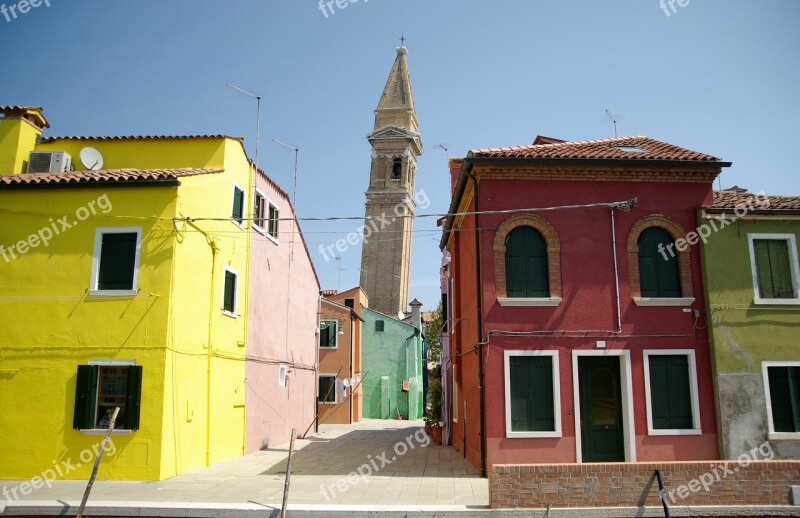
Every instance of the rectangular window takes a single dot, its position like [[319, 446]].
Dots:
[[533, 405], [230, 292], [328, 333], [773, 259], [272, 224], [259, 211], [379, 326], [327, 388], [101, 388], [782, 387], [237, 212], [671, 392], [115, 264]]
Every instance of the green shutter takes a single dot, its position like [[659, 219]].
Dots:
[[773, 268], [238, 205], [659, 273], [85, 397], [133, 398], [784, 391], [670, 392], [526, 264], [117, 261], [229, 297], [531, 384]]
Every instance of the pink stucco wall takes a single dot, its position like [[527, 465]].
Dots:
[[284, 301]]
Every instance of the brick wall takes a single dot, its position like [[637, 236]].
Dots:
[[717, 483]]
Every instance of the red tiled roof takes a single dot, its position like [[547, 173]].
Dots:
[[19, 108], [136, 137], [729, 199], [604, 149], [29, 112], [101, 177]]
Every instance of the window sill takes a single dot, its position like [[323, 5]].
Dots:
[[533, 435], [674, 432], [656, 302], [113, 293], [260, 230], [515, 302], [271, 238], [777, 302], [783, 436], [229, 314], [103, 431], [321, 348]]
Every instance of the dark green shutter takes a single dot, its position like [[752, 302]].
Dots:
[[670, 392], [659, 274], [133, 398], [117, 262], [531, 384], [773, 269], [85, 397], [229, 298], [333, 329], [327, 334], [784, 392], [526, 264], [238, 205]]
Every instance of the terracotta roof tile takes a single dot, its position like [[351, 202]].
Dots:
[[100, 177], [48, 140], [729, 199], [642, 148]]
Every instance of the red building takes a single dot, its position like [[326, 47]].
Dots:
[[578, 330]]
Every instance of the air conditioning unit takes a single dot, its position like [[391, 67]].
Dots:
[[52, 162]]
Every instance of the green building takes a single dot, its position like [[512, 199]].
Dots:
[[392, 358], [752, 284]]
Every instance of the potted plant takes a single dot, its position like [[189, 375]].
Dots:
[[433, 414]]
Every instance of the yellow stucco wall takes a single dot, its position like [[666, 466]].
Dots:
[[50, 325]]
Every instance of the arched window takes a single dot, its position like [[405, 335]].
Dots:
[[659, 273], [397, 168], [526, 264]]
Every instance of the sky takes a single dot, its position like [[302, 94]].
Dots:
[[717, 76]]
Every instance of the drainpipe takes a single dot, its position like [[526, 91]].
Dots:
[[479, 347], [352, 391], [214, 250]]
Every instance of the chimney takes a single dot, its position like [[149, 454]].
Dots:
[[20, 128], [416, 315]]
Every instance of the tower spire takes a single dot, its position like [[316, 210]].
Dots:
[[396, 105]]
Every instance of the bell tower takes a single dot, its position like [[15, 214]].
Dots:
[[386, 254]]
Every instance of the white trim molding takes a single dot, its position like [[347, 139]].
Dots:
[[98, 247], [693, 391], [626, 386], [512, 302], [335, 389], [235, 312], [556, 394], [258, 193], [276, 237], [336, 335], [244, 205], [795, 269], [772, 434], [655, 302]]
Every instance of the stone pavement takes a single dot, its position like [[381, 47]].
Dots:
[[404, 473]]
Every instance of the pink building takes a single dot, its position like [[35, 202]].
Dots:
[[282, 344]]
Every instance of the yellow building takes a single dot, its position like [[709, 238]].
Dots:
[[110, 295]]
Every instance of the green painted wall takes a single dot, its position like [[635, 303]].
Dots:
[[744, 334], [390, 357]]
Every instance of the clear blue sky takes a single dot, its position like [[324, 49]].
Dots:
[[717, 76]]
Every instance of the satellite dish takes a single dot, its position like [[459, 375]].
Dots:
[[91, 159]]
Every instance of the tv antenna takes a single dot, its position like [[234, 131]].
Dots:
[[443, 147], [610, 117], [258, 115], [339, 267]]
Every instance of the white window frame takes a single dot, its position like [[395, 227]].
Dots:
[[98, 246], [772, 434], [336, 334], [335, 390], [626, 386], [235, 313], [244, 205], [260, 194], [272, 238], [795, 269], [106, 363], [693, 391], [556, 394], [282, 373]]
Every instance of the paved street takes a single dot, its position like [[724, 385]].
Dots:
[[432, 475]]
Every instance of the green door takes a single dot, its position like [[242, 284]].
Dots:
[[601, 409]]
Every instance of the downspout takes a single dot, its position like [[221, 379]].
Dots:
[[214, 250], [479, 347], [316, 366], [352, 391], [616, 270]]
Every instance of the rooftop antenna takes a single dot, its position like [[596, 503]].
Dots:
[[610, 117], [443, 147], [296, 156], [339, 267], [258, 115]]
